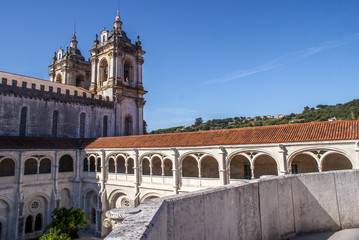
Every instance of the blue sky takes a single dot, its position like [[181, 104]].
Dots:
[[209, 59]]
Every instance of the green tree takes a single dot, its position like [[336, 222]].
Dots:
[[198, 122], [55, 234], [68, 221]]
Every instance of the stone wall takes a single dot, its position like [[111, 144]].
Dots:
[[271, 208]]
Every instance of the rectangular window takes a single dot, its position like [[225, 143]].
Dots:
[[247, 171], [82, 125], [55, 117], [105, 126]]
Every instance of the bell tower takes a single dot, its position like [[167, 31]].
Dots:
[[116, 72]]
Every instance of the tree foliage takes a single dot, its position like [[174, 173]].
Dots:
[[347, 111], [55, 234], [67, 221]]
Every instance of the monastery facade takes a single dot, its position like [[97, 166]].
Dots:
[[75, 141]]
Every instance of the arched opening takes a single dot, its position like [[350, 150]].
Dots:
[[93, 216], [130, 166], [168, 167], [65, 196], [104, 126], [120, 200], [111, 165], [265, 165], [80, 81], [86, 165], [127, 72], [103, 72], [23, 116], [90, 205], [38, 222], [5, 221], [30, 166], [28, 224], [7, 167], [240, 168], [304, 163], [82, 125], [66, 164], [189, 167], [55, 116], [145, 167], [156, 166], [92, 164], [209, 167], [58, 78], [121, 168], [336, 161], [128, 126], [98, 165], [45, 166]]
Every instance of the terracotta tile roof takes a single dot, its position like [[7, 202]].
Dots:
[[304, 132], [14, 142], [38, 82]]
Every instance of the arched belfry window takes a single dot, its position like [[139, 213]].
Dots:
[[104, 126], [80, 81], [128, 126], [22, 126], [82, 125], [103, 71], [127, 72], [58, 78], [55, 119]]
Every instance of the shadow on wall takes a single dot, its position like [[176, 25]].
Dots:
[[273, 208]]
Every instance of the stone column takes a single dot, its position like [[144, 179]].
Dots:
[[55, 176], [93, 86], [283, 169], [19, 232], [175, 170], [136, 171], [222, 166]]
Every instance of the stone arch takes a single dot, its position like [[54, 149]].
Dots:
[[80, 81], [90, 204], [209, 167], [92, 162], [150, 195], [128, 71], [86, 165], [31, 166], [156, 166], [303, 162], [189, 167], [118, 199], [130, 166], [7, 167], [335, 161], [58, 78], [146, 166], [66, 199], [66, 163], [103, 71], [45, 166], [240, 167], [111, 165], [264, 165], [121, 164], [167, 167]]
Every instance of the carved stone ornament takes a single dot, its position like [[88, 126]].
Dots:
[[117, 215]]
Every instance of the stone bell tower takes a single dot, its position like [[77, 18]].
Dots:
[[70, 67], [116, 72]]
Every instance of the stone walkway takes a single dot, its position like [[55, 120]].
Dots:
[[346, 234], [87, 236]]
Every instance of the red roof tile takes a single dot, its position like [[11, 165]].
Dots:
[[304, 132]]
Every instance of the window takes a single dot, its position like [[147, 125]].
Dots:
[[98, 165], [247, 171], [126, 72], [80, 81], [294, 168], [7, 167], [38, 222], [128, 126], [28, 225], [23, 115], [45, 166], [111, 165], [58, 78], [104, 130], [30, 166], [66, 164], [55, 116], [82, 125], [103, 72], [86, 165]]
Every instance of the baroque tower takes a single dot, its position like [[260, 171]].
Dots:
[[116, 72], [70, 67]]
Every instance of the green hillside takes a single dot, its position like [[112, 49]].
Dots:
[[346, 111]]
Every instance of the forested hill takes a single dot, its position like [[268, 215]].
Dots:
[[346, 111]]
